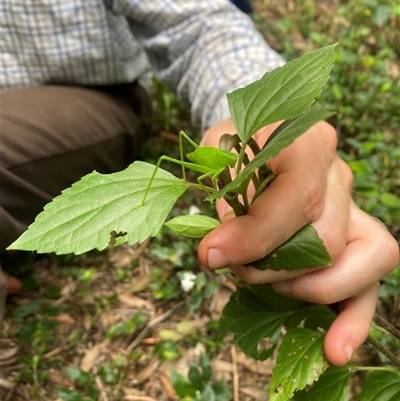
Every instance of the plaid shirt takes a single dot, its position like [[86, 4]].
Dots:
[[202, 49]]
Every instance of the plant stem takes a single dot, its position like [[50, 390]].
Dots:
[[373, 368], [235, 205], [262, 186], [387, 326], [390, 355], [205, 188]]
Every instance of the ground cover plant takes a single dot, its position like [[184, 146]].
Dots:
[[102, 298], [125, 207]]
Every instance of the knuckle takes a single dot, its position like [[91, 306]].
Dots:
[[330, 134], [314, 196], [334, 238], [390, 253], [328, 296], [347, 174]]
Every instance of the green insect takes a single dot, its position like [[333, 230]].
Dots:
[[209, 161]]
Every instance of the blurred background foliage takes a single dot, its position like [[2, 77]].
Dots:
[[364, 89]]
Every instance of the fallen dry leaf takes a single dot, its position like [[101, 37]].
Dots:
[[53, 352], [124, 255], [256, 393], [93, 356], [219, 300], [63, 318], [6, 384], [146, 372], [135, 302], [167, 386], [56, 377], [260, 367], [7, 351], [137, 398]]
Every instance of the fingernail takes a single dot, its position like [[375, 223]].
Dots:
[[217, 259], [348, 350], [282, 287]]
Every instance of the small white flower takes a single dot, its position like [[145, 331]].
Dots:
[[194, 210], [187, 281]]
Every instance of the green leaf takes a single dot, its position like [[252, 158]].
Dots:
[[283, 93], [275, 302], [319, 317], [303, 250], [295, 310], [333, 385], [300, 362], [192, 226], [70, 395], [28, 309], [221, 391], [85, 215], [249, 319], [390, 200], [78, 376], [181, 386], [291, 131], [195, 378], [207, 394], [205, 367], [381, 386]]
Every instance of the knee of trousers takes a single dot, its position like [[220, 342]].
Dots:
[[52, 136]]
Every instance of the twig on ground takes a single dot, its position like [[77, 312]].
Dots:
[[3, 296], [9, 396], [151, 325], [235, 373], [100, 386]]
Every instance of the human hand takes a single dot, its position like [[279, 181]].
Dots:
[[312, 185]]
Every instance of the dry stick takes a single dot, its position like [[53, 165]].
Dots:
[[10, 394], [100, 386], [387, 326], [235, 373], [3, 295], [152, 324], [392, 357]]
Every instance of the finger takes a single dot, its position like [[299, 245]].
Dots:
[[331, 227], [351, 327], [371, 253], [298, 192]]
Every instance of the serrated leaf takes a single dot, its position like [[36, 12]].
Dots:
[[281, 94], [319, 317], [273, 301], [249, 319], [296, 310], [303, 250], [192, 226], [287, 135], [381, 386], [84, 216], [333, 385], [300, 362]]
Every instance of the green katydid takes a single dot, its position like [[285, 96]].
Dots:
[[204, 159]]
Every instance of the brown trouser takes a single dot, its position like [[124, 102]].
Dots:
[[50, 136]]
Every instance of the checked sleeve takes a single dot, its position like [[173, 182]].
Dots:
[[201, 49]]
